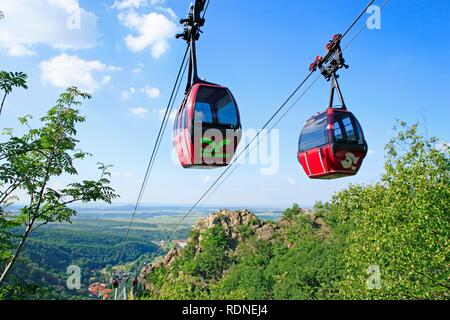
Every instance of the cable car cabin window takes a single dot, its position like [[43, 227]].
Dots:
[[215, 105], [338, 133], [203, 112], [179, 119], [226, 111], [360, 132], [347, 129], [184, 120], [314, 134]]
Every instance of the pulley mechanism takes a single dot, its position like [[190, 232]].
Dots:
[[329, 65]]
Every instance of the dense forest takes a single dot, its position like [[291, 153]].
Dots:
[[94, 246], [387, 240]]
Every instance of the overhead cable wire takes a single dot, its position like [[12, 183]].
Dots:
[[154, 152]]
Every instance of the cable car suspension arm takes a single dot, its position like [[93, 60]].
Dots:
[[191, 34]]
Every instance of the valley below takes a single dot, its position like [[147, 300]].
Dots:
[[93, 242]]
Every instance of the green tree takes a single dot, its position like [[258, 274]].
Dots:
[[291, 213], [246, 279], [182, 287], [321, 209], [29, 162], [16, 290], [9, 80], [400, 225], [212, 260]]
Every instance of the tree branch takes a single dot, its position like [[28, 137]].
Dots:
[[9, 190], [62, 204]]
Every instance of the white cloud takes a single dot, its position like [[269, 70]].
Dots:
[[151, 92], [138, 112], [291, 181], [138, 69], [153, 31], [156, 2], [64, 71], [128, 4], [60, 24], [126, 94], [169, 11], [371, 152], [68, 5]]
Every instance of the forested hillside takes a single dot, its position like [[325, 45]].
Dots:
[[387, 240], [94, 246]]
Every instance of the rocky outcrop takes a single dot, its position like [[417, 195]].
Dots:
[[236, 224], [150, 268], [266, 231]]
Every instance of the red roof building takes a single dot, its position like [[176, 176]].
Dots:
[[100, 290]]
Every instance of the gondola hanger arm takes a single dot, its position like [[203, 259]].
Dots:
[[329, 65], [191, 33]]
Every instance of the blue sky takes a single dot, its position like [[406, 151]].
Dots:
[[125, 54]]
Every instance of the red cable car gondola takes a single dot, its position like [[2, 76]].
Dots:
[[207, 127], [332, 143]]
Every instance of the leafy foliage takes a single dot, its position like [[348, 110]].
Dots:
[[211, 261], [16, 290], [290, 213], [400, 224], [9, 80]]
